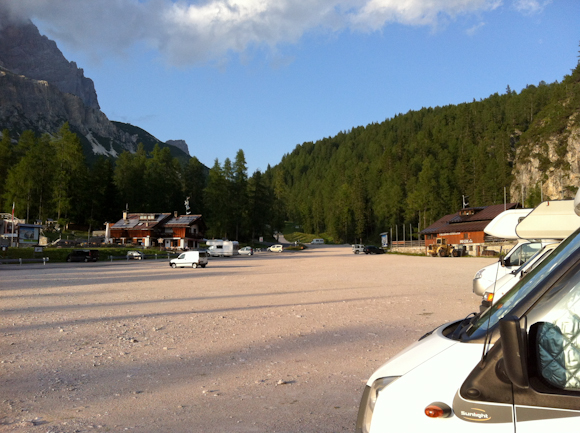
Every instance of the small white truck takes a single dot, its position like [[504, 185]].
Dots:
[[191, 259], [358, 248]]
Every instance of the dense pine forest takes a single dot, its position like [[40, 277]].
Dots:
[[416, 167], [49, 177], [409, 170]]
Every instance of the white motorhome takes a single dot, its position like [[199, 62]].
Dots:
[[222, 248], [192, 259], [532, 230], [550, 222], [504, 284], [511, 368], [504, 226]]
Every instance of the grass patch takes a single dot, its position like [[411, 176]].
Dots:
[[60, 254]]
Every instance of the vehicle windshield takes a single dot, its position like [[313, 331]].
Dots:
[[489, 319]]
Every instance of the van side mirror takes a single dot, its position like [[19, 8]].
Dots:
[[514, 346], [503, 262]]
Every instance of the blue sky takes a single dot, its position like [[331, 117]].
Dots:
[[266, 75]]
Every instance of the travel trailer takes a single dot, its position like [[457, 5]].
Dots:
[[513, 367], [221, 248]]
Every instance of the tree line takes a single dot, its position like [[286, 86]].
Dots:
[[408, 170], [47, 176], [417, 167]]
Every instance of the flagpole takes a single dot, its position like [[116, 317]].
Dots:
[[12, 238]]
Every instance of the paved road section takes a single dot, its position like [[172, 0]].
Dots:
[[263, 343]]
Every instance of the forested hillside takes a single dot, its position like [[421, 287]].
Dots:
[[48, 176], [415, 167]]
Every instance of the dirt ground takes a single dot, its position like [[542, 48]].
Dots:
[[268, 343]]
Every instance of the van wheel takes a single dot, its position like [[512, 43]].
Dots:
[[203, 266], [86, 260], [356, 252], [194, 265], [173, 265]]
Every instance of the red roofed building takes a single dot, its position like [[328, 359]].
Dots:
[[162, 229], [465, 227]]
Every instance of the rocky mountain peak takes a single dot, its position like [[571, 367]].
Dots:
[[180, 144], [24, 51]]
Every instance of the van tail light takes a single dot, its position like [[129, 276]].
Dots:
[[489, 297], [438, 410]]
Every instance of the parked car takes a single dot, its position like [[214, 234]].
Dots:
[[276, 248], [83, 256], [246, 250], [371, 249], [358, 248], [317, 241], [137, 255], [192, 259]]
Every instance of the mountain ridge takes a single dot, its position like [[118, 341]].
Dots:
[[40, 90]]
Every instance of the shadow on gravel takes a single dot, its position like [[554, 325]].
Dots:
[[77, 322]]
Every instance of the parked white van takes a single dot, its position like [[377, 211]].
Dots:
[[317, 241], [514, 367], [504, 284], [550, 221], [192, 259]]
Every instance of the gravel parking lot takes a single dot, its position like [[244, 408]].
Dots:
[[264, 343]]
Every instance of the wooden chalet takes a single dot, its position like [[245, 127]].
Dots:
[[142, 229], [465, 227], [184, 232], [163, 229]]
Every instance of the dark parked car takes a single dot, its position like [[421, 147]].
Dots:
[[137, 255], [83, 256], [371, 249]]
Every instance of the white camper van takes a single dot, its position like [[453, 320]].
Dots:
[[519, 254], [550, 221], [504, 284], [514, 367], [221, 248], [191, 259]]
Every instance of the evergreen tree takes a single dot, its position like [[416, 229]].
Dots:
[[195, 183], [240, 194], [70, 172], [5, 163], [216, 201]]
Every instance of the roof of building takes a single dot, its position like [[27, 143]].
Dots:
[[467, 220], [183, 221], [141, 221]]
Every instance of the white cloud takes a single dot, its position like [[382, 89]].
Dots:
[[473, 30], [187, 32], [531, 6]]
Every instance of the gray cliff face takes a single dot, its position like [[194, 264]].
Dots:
[[557, 183], [25, 52], [180, 144], [37, 105], [40, 91]]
